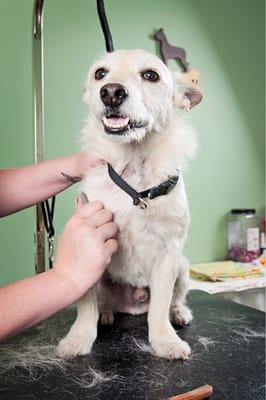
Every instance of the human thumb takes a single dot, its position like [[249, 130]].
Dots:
[[81, 200], [78, 202]]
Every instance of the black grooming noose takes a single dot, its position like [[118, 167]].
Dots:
[[105, 26]]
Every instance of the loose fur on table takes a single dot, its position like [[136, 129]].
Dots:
[[28, 358], [33, 355]]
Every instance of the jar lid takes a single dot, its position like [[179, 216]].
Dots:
[[243, 211]]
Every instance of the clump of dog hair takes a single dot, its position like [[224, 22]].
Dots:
[[32, 355], [206, 342], [246, 334], [142, 346], [33, 351]]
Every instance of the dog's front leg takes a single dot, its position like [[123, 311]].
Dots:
[[162, 335], [83, 332]]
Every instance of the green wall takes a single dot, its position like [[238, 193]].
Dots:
[[224, 39]]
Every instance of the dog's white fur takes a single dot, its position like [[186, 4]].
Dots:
[[150, 241]]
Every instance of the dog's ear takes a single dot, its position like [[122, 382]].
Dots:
[[85, 92], [186, 94]]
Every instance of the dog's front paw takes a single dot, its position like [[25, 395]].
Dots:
[[171, 348], [180, 315], [74, 344]]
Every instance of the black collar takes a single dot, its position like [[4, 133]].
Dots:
[[155, 191]]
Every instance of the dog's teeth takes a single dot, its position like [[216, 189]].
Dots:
[[118, 122]]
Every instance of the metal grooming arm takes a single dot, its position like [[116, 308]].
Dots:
[[37, 66]]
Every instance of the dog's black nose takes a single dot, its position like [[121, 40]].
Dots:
[[113, 94]]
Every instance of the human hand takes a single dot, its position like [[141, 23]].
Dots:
[[86, 246], [79, 164]]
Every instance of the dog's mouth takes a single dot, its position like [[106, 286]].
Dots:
[[118, 124]]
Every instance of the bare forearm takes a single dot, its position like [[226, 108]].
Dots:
[[27, 302], [84, 250], [23, 187]]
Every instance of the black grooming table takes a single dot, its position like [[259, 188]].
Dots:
[[226, 340]]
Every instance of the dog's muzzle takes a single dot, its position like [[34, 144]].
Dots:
[[113, 95]]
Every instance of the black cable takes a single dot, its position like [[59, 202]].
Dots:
[[48, 216], [50, 212], [105, 26], [53, 207]]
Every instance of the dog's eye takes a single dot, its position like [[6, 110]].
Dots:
[[100, 73], [150, 75]]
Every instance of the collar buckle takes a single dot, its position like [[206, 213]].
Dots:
[[142, 204]]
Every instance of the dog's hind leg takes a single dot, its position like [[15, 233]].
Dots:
[[83, 332], [162, 335], [180, 314], [106, 302]]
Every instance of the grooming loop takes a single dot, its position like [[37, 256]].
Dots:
[[105, 27]]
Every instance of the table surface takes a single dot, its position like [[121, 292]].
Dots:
[[227, 342]]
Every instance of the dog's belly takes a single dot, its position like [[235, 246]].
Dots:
[[144, 235]]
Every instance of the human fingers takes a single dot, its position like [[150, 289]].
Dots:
[[88, 209], [101, 217], [111, 246], [81, 200], [84, 197], [95, 162], [79, 203], [107, 231]]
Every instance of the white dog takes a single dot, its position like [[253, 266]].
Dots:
[[133, 125]]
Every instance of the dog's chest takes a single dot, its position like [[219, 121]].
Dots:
[[143, 234], [99, 186], [133, 171]]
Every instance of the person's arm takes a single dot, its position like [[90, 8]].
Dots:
[[31, 300], [85, 249], [26, 186]]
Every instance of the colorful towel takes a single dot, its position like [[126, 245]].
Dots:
[[222, 270]]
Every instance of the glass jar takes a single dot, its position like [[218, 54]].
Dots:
[[243, 235]]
